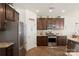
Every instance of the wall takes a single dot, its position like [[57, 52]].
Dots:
[[71, 18], [31, 19], [30, 27]]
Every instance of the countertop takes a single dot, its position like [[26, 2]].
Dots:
[[73, 39], [72, 54], [5, 45]]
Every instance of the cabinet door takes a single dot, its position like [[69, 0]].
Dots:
[[9, 13], [6, 51], [62, 23], [43, 23], [53, 21], [59, 23], [49, 21], [16, 16], [39, 24], [42, 41], [2, 16], [70, 46], [61, 40]]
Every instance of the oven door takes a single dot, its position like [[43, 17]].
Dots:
[[52, 41]]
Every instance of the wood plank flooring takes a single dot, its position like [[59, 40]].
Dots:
[[47, 51]]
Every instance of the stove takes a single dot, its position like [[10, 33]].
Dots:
[[52, 40]]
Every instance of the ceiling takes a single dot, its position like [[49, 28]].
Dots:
[[44, 8]]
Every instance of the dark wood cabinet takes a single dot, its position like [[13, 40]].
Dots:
[[49, 21], [2, 17], [8, 51], [16, 16], [59, 23], [39, 24], [71, 46], [9, 13], [61, 40], [43, 23], [42, 41]]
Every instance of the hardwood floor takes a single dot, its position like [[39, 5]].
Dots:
[[47, 51]]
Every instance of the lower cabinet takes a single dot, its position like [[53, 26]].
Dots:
[[42, 41], [71, 46], [6, 51], [61, 40]]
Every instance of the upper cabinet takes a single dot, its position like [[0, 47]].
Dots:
[[50, 23], [7, 13], [41, 23], [16, 16], [44, 23], [2, 16], [59, 23]]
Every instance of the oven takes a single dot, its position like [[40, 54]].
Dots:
[[52, 40]]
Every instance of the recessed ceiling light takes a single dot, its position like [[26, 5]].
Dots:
[[50, 10], [63, 11], [37, 11]]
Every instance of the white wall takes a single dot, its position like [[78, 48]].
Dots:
[[70, 19], [30, 27]]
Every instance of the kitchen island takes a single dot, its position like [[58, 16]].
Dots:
[[73, 46], [73, 39]]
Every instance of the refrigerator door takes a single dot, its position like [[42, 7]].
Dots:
[[22, 50]]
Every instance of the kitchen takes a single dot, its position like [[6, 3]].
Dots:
[[42, 26]]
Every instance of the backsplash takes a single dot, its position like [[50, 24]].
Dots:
[[44, 32]]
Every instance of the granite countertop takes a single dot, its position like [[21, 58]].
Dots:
[[72, 54], [73, 39], [5, 44]]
